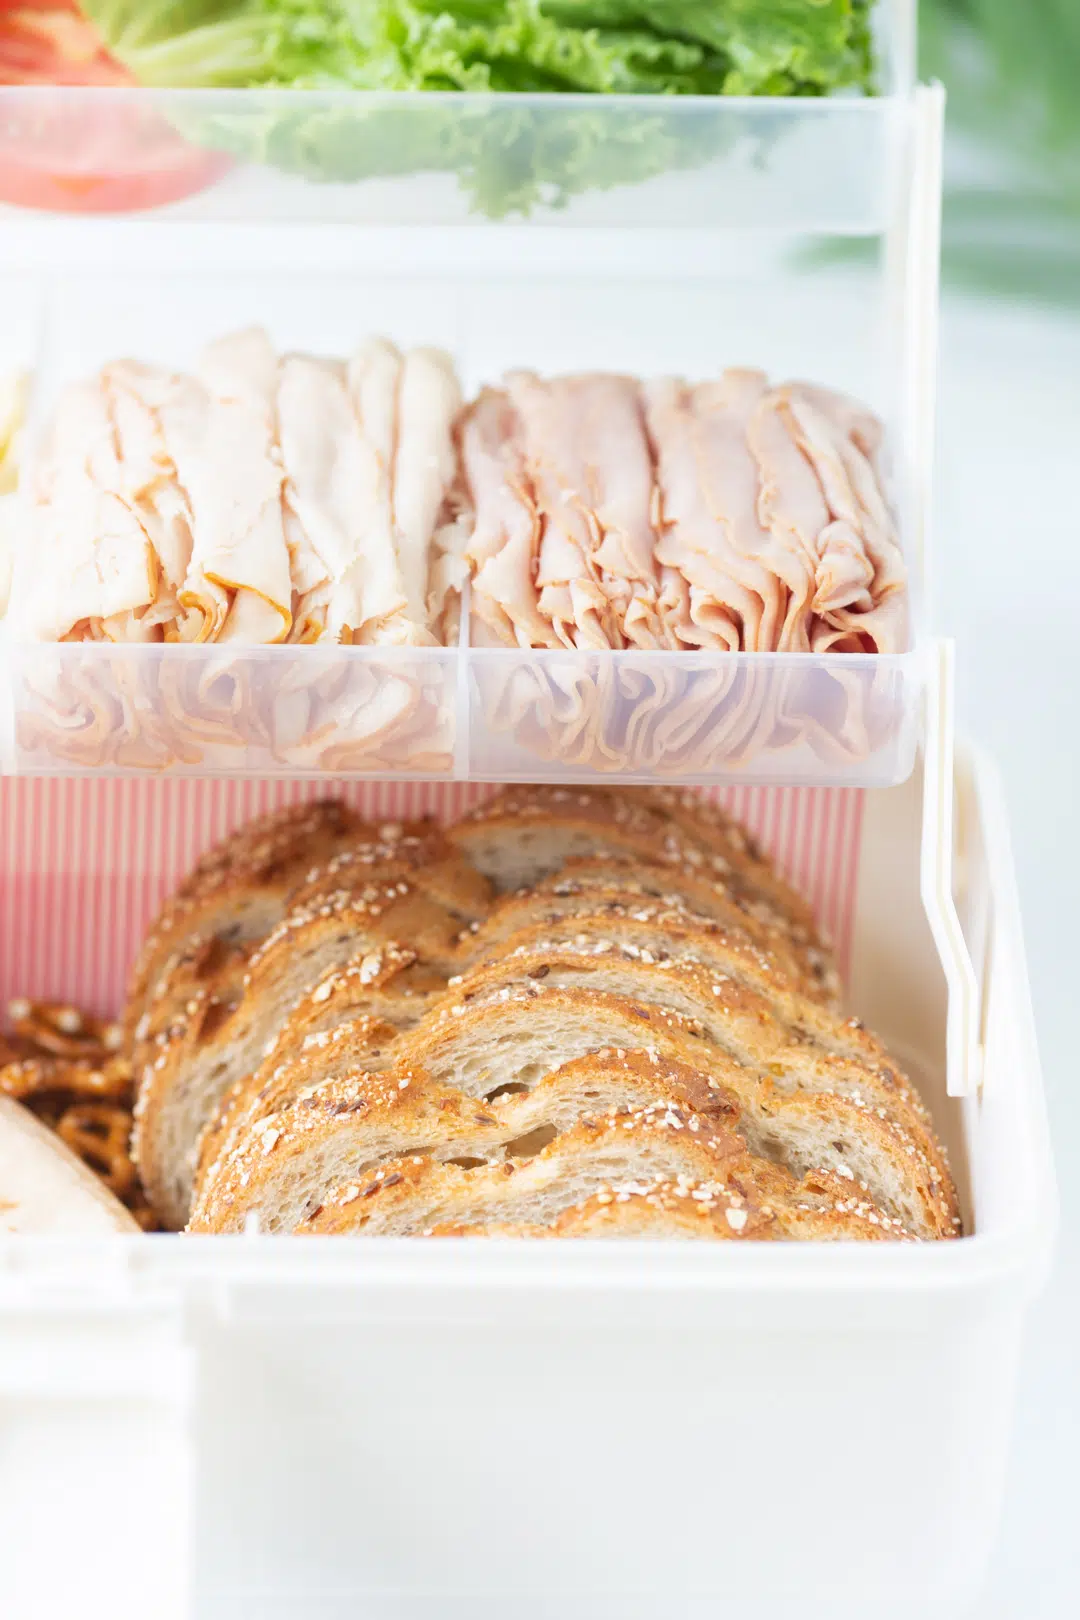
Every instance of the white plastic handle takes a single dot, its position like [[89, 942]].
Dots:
[[963, 1051]]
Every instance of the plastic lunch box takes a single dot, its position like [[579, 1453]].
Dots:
[[688, 271], [253, 1427], [219, 1428]]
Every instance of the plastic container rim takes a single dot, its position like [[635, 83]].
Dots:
[[637, 1265], [695, 658], [847, 99]]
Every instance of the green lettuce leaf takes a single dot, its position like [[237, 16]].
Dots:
[[506, 165]]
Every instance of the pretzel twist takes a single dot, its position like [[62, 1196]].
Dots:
[[100, 1133], [56, 1028]]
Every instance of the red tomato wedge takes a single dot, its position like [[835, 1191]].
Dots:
[[82, 154], [50, 42]]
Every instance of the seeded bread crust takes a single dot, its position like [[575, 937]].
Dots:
[[388, 987], [765, 1025], [420, 849], [491, 1050], [209, 1045], [239, 889], [608, 1117], [653, 936], [667, 1209], [810, 1109], [664, 895], [594, 1157], [524, 834], [645, 1043]]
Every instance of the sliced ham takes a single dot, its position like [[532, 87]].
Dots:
[[295, 498]]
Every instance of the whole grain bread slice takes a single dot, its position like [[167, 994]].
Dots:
[[678, 1209], [642, 891], [810, 1111], [239, 889], [197, 1065], [608, 1156], [524, 834], [488, 1053], [422, 849], [315, 1164], [654, 935], [388, 987], [663, 1207]]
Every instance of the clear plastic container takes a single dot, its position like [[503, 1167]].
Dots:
[[399, 158], [217, 711], [253, 1427], [488, 715], [692, 717], [499, 297], [688, 252]]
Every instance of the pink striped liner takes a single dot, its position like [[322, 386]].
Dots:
[[85, 863]]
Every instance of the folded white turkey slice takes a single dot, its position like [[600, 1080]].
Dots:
[[605, 420], [321, 453], [373, 487], [837, 438], [568, 581], [153, 410], [90, 714], [503, 549], [239, 577], [820, 490], [448, 571], [425, 484], [365, 601], [743, 580], [88, 560], [340, 432]]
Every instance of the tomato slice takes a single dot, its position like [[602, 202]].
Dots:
[[91, 153], [51, 42]]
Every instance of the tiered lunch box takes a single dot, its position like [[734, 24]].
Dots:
[[254, 1427]]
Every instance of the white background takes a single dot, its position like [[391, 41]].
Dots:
[[1007, 537]]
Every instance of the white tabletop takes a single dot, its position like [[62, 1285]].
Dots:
[[1007, 536]]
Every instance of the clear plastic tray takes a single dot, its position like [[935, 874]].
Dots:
[[693, 717], [478, 714], [409, 159], [399, 158], [687, 302]]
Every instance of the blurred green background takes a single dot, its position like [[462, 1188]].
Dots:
[[1012, 194]]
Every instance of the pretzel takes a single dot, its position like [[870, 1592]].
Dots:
[[32, 1078], [64, 1066], [62, 1030], [99, 1132]]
